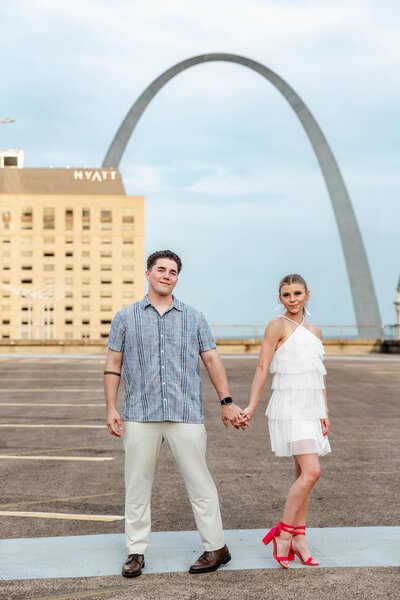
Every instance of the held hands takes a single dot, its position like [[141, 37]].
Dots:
[[235, 415], [114, 423]]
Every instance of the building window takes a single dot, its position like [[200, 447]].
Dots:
[[6, 281], [68, 307], [85, 218], [69, 219], [26, 252], [106, 219], [8, 253], [105, 321], [127, 219], [85, 267], [85, 254], [69, 294], [26, 268], [48, 280], [68, 322], [86, 294], [6, 267], [106, 241], [69, 335], [6, 307], [104, 335], [69, 253], [26, 280], [85, 307], [127, 267], [6, 321], [69, 240], [85, 321], [128, 294], [69, 267], [48, 267], [128, 253], [105, 294], [48, 218], [85, 281], [106, 254], [105, 307], [127, 281], [85, 240], [26, 218], [6, 218], [48, 239], [128, 241], [26, 241], [69, 281], [106, 268], [105, 281]]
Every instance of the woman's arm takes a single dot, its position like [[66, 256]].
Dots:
[[273, 333]]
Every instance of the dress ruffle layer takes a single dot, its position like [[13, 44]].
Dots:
[[297, 402]]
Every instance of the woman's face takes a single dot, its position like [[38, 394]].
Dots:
[[294, 297]]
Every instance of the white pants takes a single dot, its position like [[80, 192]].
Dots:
[[187, 441]]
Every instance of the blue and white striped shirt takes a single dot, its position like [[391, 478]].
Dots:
[[161, 361]]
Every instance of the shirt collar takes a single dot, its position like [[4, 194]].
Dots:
[[175, 303]]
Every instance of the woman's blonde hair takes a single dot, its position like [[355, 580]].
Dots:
[[294, 278]]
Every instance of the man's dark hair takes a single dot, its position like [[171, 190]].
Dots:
[[153, 258]]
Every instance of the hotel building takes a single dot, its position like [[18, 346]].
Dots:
[[71, 250]]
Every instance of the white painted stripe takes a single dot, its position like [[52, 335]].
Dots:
[[79, 458], [44, 425], [54, 404], [72, 516], [51, 390]]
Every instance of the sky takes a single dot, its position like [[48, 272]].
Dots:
[[230, 179]]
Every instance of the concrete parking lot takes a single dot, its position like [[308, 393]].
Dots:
[[62, 475]]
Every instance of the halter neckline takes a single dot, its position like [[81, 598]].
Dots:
[[295, 322]]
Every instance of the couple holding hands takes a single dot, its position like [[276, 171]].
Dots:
[[158, 341]]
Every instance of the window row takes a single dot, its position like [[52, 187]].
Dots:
[[28, 241], [49, 218]]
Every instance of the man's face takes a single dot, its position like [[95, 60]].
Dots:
[[163, 276]]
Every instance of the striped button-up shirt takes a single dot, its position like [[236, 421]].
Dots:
[[161, 361]]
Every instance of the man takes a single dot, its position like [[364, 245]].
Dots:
[[158, 341]]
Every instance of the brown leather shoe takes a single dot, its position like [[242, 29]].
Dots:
[[133, 565], [211, 561]]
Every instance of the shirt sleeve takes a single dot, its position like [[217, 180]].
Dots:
[[116, 339], [204, 335]]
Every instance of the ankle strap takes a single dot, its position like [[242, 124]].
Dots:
[[299, 532], [285, 527]]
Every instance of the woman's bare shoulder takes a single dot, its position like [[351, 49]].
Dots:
[[275, 327]]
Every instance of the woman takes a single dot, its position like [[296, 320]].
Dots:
[[297, 411]]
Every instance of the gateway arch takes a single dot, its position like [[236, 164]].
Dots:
[[359, 274]]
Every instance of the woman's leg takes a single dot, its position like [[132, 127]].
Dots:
[[307, 472], [299, 541]]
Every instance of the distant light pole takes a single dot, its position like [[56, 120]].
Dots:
[[7, 120]]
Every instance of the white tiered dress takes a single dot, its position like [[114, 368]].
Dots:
[[297, 402]]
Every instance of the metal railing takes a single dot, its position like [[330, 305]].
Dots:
[[340, 332]]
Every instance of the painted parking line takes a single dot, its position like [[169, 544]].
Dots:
[[50, 500], [54, 404], [46, 425], [70, 517], [89, 593], [50, 389], [174, 551], [76, 458]]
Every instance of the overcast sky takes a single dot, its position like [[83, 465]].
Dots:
[[230, 179]]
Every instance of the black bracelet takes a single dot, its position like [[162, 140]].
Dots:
[[112, 373]]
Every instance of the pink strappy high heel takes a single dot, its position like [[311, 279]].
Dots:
[[294, 552], [272, 535]]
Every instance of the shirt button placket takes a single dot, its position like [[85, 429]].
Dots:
[[163, 371]]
